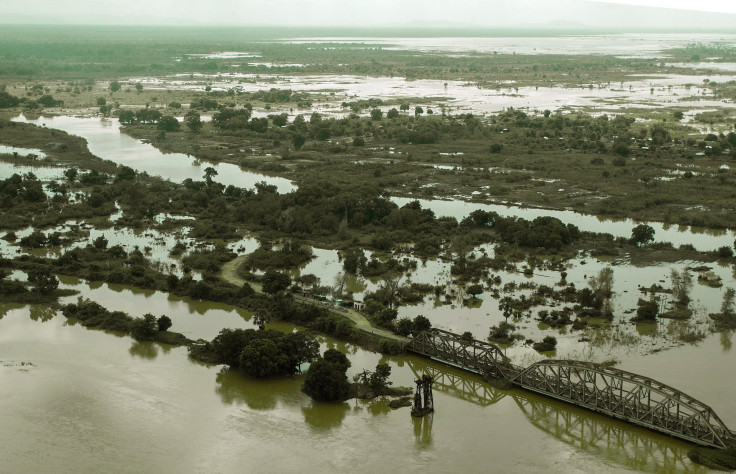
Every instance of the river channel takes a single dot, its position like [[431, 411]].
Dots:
[[78, 400]]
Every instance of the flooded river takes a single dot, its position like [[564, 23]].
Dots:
[[78, 400]]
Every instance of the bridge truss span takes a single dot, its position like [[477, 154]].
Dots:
[[627, 396], [612, 392], [469, 354]]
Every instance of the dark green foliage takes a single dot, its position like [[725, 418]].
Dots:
[[501, 334], [164, 323], [231, 119], [642, 234], [43, 282], [406, 326], [275, 282], [379, 378], [261, 358], [474, 289], [647, 311], [193, 121], [145, 328], [261, 353], [290, 254], [168, 123], [327, 381], [549, 343], [92, 314], [724, 252], [7, 100], [354, 261], [299, 141], [100, 242], [338, 358]]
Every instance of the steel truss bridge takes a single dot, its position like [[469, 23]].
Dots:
[[609, 391], [623, 443]]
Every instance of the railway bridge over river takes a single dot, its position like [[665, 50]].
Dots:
[[612, 392]]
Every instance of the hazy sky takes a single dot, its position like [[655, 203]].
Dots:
[[358, 12]]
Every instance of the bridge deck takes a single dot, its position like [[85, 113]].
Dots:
[[616, 393]]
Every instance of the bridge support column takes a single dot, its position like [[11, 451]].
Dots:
[[423, 399]]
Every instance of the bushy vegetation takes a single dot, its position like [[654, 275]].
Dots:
[[326, 379], [259, 353], [148, 328]]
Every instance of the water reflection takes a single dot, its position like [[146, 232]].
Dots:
[[235, 388], [726, 340], [624, 444], [5, 308], [41, 312], [144, 349], [325, 416], [423, 430]]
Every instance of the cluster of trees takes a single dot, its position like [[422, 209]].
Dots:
[[25, 188], [289, 254], [7, 101], [149, 116], [93, 315], [327, 380], [542, 232], [259, 353], [39, 282]]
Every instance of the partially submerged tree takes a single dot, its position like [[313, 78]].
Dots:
[[682, 283]]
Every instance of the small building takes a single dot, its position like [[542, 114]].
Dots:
[[358, 305]]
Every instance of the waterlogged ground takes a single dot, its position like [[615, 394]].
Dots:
[[624, 45], [661, 90], [98, 401]]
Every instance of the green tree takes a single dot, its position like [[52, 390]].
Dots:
[[299, 140], [326, 381], [139, 87], [100, 242], [261, 358], [392, 114], [101, 101], [642, 235], [418, 110], [164, 323], [298, 348], [209, 173], [647, 311], [43, 282], [682, 283], [193, 121], [274, 282], [168, 123], [421, 323], [144, 329], [114, 86], [379, 378], [475, 289], [354, 261], [338, 358]]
